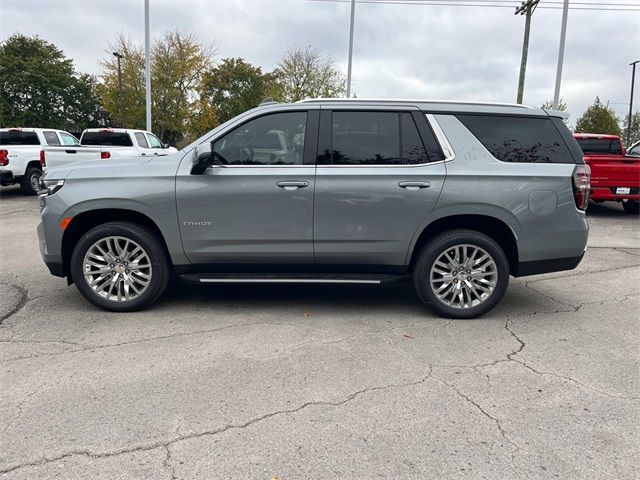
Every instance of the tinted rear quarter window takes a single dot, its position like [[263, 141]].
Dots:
[[600, 146], [519, 139], [17, 137], [106, 139], [142, 141], [51, 138]]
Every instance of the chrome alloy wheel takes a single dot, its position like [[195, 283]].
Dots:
[[117, 268], [463, 276]]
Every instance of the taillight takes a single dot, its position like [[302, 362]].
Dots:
[[43, 161], [105, 155], [4, 158], [581, 181]]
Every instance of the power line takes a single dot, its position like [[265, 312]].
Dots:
[[486, 4]]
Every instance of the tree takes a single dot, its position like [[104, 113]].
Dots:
[[178, 61], [39, 87], [598, 119], [548, 105], [235, 86], [635, 128], [133, 84], [303, 72]]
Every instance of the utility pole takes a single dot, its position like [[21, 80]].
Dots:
[[147, 63], [633, 79], [563, 36], [119, 56], [353, 14], [527, 9]]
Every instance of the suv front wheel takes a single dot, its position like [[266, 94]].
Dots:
[[461, 274], [120, 266]]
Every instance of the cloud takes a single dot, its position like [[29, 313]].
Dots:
[[403, 51]]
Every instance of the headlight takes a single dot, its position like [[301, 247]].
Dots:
[[50, 187]]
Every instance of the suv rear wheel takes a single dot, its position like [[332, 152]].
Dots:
[[30, 181], [461, 274], [120, 266]]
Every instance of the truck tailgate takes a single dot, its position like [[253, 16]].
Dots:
[[57, 156]]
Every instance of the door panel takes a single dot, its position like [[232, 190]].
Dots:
[[364, 216], [256, 205], [241, 215], [379, 175]]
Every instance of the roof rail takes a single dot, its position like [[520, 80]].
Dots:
[[405, 100], [267, 101]]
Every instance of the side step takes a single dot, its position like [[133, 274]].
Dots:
[[291, 278]]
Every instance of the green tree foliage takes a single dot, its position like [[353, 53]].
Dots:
[[235, 86], [303, 72], [548, 105], [178, 61], [133, 86], [598, 119], [39, 87], [635, 129]]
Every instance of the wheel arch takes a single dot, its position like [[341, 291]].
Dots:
[[491, 226], [85, 221]]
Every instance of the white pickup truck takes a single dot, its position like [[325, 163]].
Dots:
[[22, 154], [105, 143]]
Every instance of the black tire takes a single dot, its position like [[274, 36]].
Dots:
[[32, 174], [631, 206], [160, 272], [435, 247]]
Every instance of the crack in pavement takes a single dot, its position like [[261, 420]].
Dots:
[[207, 433], [24, 298], [167, 463], [576, 274], [481, 410], [19, 407]]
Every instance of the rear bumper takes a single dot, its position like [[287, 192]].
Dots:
[[537, 267], [7, 178], [607, 194]]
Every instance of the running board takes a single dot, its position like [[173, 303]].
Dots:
[[291, 278]]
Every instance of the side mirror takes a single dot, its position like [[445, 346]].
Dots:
[[201, 159], [165, 145]]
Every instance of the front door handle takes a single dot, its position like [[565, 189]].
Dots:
[[414, 185], [292, 184]]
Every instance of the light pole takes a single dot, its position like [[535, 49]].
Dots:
[[119, 56], [353, 14], [563, 36], [633, 79], [147, 64]]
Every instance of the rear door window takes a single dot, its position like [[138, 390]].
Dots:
[[600, 146], [141, 139], [519, 139], [18, 137], [366, 138], [51, 138], [106, 138]]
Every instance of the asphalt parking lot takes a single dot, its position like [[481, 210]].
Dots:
[[321, 381]]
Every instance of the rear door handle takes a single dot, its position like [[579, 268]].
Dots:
[[414, 185], [292, 184]]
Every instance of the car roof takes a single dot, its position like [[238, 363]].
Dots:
[[435, 106], [596, 135], [115, 130]]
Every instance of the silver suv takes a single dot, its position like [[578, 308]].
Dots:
[[454, 196]]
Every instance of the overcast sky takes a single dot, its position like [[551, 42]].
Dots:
[[400, 50]]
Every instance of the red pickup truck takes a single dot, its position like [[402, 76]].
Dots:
[[615, 176]]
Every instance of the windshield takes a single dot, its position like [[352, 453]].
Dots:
[[600, 146], [106, 138]]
